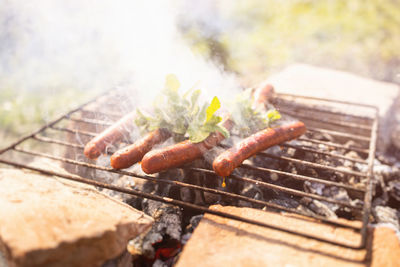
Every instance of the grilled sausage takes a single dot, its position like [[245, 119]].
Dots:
[[133, 153], [263, 94], [111, 135], [227, 161], [181, 153]]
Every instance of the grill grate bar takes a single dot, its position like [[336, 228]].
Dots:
[[330, 144], [291, 105], [368, 195], [312, 129], [341, 134], [295, 108], [91, 134], [74, 131], [306, 149], [111, 115], [361, 150], [303, 178], [311, 164], [196, 187], [91, 121], [58, 142], [337, 123], [168, 200], [295, 176]]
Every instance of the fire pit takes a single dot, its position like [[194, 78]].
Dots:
[[325, 175]]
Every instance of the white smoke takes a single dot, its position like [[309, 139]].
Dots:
[[96, 45]]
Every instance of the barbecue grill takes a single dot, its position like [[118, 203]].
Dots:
[[344, 120]]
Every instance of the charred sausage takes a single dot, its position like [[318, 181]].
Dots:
[[227, 161], [134, 153], [111, 135], [181, 153]]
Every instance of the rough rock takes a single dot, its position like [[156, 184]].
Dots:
[[223, 242], [49, 221], [385, 247], [301, 79]]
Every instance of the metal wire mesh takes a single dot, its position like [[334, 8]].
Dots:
[[358, 128]]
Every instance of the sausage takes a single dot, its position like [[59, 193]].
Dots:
[[133, 153], [111, 135], [181, 153], [263, 94], [227, 161]]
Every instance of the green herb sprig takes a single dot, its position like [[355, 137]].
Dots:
[[182, 115], [248, 118]]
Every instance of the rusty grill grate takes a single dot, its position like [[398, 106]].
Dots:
[[322, 116]]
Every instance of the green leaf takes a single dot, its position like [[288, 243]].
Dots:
[[195, 97], [212, 108], [186, 94], [172, 83], [141, 119], [198, 136], [222, 130], [201, 117]]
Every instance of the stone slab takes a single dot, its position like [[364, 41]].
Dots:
[[223, 242], [49, 221]]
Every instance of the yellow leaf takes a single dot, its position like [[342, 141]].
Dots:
[[212, 108]]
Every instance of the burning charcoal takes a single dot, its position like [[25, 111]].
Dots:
[[194, 222], [251, 191], [353, 154], [160, 263], [387, 215], [285, 201], [336, 193], [394, 189], [322, 136], [168, 218], [165, 235], [163, 189], [196, 178], [322, 208], [290, 152]]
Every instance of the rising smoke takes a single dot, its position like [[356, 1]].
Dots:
[[96, 45]]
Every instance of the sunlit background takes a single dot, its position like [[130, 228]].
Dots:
[[55, 55]]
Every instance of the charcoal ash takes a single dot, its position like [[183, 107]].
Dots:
[[194, 222], [286, 201], [321, 136], [321, 208], [384, 214], [163, 237], [394, 189], [254, 192]]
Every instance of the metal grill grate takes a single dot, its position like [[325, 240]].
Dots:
[[319, 117]]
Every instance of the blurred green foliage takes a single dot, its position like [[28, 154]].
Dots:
[[263, 36], [22, 111]]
